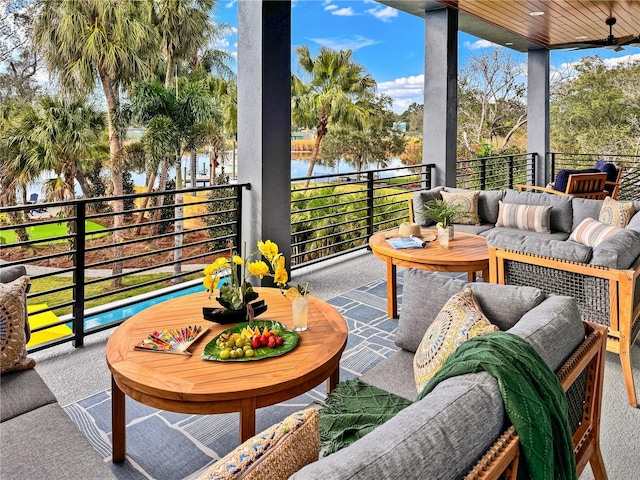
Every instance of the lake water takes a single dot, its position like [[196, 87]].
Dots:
[[299, 167]]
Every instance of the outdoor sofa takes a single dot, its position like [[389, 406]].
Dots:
[[459, 429], [605, 279], [38, 440]]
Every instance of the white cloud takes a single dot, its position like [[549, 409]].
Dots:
[[404, 91], [478, 44], [344, 12], [353, 43], [330, 7], [384, 14], [231, 3], [624, 60]]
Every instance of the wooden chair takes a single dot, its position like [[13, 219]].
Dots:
[[613, 187], [582, 378], [584, 185]]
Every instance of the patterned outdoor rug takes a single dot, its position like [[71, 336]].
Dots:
[[166, 446]]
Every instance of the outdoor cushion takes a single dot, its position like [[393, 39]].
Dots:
[[419, 199], [584, 208], [394, 374], [273, 454], [548, 236], [14, 402], [616, 213], [561, 211], [522, 242], [474, 229], [534, 218], [592, 232], [487, 203], [635, 221], [460, 319], [465, 414], [468, 202], [609, 168], [619, 251], [554, 329], [13, 315]]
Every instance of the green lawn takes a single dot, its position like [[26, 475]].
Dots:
[[37, 232]]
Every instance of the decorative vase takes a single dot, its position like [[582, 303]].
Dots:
[[445, 235], [223, 316]]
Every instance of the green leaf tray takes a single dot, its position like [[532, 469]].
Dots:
[[290, 337]]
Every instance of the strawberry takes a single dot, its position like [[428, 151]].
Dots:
[[255, 341], [272, 342], [279, 340], [264, 340]]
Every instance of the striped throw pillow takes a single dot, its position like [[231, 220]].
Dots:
[[534, 218], [591, 232]]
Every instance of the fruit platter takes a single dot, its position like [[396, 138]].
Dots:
[[246, 341]]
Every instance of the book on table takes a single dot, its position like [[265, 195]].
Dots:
[[407, 242], [172, 340]]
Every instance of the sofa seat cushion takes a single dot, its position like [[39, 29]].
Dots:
[[522, 242], [474, 229], [561, 209], [21, 392], [619, 251], [460, 319], [410, 445], [425, 293], [44, 444], [554, 329], [547, 236], [394, 374]]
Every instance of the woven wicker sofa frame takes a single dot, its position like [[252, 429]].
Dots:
[[606, 296], [582, 377]]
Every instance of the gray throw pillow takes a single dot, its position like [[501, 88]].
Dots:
[[419, 199]]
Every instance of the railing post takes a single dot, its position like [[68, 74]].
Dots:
[[239, 214], [370, 203], [534, 158], [78, 274], [552, 174], [510, 170], [483, 174]]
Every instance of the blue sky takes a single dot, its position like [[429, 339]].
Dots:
[[389, 43]]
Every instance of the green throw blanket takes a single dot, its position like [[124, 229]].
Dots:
[[533, 397], [353, 409]]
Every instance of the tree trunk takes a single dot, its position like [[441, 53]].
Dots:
[[115, 147], [145, 201], [312, 160], [159, 200], [194, 168]]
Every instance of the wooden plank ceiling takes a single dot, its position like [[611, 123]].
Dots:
[[562, 24]]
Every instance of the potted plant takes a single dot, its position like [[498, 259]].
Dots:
[[444, 214]]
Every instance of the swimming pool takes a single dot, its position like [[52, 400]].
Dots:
[[122, 313]]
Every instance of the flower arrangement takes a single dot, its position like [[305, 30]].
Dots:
[[236, 296]]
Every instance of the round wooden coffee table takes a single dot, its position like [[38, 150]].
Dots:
[[466, 253], [189, 384]]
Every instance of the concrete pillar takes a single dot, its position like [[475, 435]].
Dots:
[[538, 112], [441, 94], [264, 121]]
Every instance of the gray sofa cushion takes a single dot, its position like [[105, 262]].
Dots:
[[395, 375], [65, 453], [475, 229], [619, 251], [561, 210], [522, 242], [635, 220], [554, 329], [440, 437], [21, 392], [419, 199], [424, 294], [585, 208], [548, 236], [488, 203]]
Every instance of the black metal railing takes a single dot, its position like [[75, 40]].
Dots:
[[496, 173], [630, 164], [76, 275], [337, 213]]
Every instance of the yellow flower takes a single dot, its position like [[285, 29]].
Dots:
[[269, 249], [218, 264], [237, 260], [280, 276], [258, 268], [210, 283]]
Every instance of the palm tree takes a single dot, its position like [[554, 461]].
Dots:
[[109, 41], [332, 94]]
